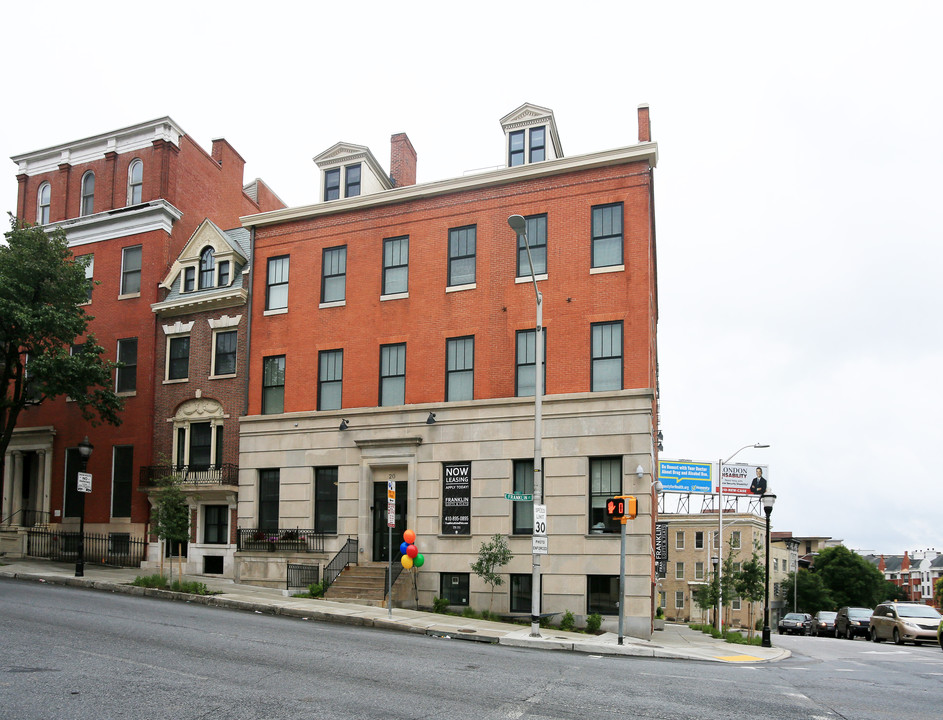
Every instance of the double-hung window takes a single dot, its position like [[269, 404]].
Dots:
[[122, 473], [224, 352], [395, 265], [269, 492], [605, 481], [699, 540], [392, 375], [135, 182], [537, 239], [521, 149], [607, 235], [607, 356], [207, 268], [126, 374], [216, 524], [334, 274], [276, 288], [330, 379], [178, 357], [460, 368], [525, 379], [538, 144], [352, 180], [462, 255], [88, 194], [522, 522], [325, 500], [43, 201], [332, 184], [131, 270], [273, 384]]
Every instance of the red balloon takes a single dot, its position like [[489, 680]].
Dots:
[[412, 551], [409, 536]]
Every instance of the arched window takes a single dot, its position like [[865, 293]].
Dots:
[[42, 203], [88, 194], [207, 268], [135, 182]]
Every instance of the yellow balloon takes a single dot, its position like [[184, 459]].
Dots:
[[407, 561]]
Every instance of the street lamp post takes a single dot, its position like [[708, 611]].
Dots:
[[768, 501], [519, 225], [85, 452], [720, 532]]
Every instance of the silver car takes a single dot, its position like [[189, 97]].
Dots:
[[904, 622]]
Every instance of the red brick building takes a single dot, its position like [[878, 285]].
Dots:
[[130, 200], [393, 340]]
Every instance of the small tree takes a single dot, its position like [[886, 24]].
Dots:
[[750, 584], [938, 591], [492, 555], [171, 515]]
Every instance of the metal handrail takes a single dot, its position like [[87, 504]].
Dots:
[[346, 556], [286, 540], [30, 518], [397, 570]]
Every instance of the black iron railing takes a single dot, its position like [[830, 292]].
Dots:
[[224, 474], [300, 576], [294, 540], [26, 518], [346, 556], [397, 569], [115, 549]]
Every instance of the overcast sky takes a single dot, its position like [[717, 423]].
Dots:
[[798, 189]]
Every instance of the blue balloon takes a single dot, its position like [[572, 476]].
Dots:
[[402, 547]]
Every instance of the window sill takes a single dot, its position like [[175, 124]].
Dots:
[[176, 381], [222, 377], [460, 288], [394, 296], [608, 269], [528, 278], [129, 296], [127, 393], [336, 303], [277, 311]]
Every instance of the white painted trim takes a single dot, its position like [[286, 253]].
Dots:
[[607, 269], [118, 223]]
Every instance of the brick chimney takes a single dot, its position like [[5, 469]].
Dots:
[[644, 125], [402, 161]]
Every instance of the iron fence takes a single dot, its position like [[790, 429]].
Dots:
[[222, 474], [346, 556], [301, 576], [295, 540], [115, 549]]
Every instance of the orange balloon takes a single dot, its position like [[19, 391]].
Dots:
[[409, 536]]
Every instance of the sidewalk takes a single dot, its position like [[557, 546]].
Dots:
[[674, 642]]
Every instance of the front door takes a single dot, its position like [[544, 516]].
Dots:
[[381, 530]]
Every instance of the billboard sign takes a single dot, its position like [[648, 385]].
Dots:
[[686, 476], [744, 479]]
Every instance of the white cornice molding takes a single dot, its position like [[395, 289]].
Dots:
[[178, 327], [202, 302], [120, 222], [125, 140], [643, 152]]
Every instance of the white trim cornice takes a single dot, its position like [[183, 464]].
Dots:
[[185, 304], [643, 152], [120, 222]]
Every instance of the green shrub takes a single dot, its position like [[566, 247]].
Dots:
[[593, 623], [440, 605], [469, 612], [659, 612], [150, 581], [190, 586], [568, 622]]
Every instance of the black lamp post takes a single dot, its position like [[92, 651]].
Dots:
[[768, 501], [85, 452]]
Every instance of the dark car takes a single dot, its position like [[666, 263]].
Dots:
[[852, 622], [795, 624], [823, 623]]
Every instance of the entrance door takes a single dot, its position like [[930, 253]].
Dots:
[[381, 531]]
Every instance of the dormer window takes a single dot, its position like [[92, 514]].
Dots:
[[531, 135], [223, 276], [350, 171], [207, 268], [529, 145], [352, 180], [189, 279], [332, 182]]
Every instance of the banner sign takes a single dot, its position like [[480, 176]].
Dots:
[[661, 541], [456, 498], [743, 479], [686, 476]]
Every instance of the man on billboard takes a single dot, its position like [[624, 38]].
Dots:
[[758, 486]]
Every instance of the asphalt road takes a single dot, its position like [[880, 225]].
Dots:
[[74, 653]]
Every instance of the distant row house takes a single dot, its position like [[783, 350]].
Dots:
[[293, 365]]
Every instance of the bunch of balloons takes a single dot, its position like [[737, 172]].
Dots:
[[411, 555]]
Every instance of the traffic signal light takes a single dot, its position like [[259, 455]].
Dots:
[[622, 506]]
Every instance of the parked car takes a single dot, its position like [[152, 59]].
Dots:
[[795, 623], [823, 623], [904, 622], [850, 622]]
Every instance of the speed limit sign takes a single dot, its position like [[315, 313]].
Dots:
[[540, 520]]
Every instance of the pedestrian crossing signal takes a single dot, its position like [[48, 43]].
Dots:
[[622, 506]]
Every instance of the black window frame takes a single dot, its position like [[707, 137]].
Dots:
[[178, 357], [517, 148], [334, 268], [207, 268], [522, 512], [325, 500], [189, 279], [276, 277], [122, 478], [459, 240], [394, 263], [456, 349], [332, 184], [599, 598], [520, 592], [602, 346], [536, 229], [520, 366], [229, 354], [600, 489], [126, 376], [330, 374], [352, 186], [269, 498], [389, 373], [216, 524], [534, 147], [601, 232], [452, 591], [273, 384]]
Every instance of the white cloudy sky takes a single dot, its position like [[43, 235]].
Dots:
[[797, 192]]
